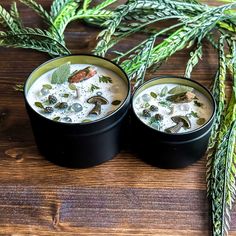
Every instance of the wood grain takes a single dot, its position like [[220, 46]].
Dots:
[[121, 197]]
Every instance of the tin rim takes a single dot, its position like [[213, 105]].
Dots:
[[80, 55], [182, 78]]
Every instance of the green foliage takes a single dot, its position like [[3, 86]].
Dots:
[[219, 94], [7, 21], [193, 61], [62, 13], [194, 21], [15, 15], [38, 9], [86, 4], [223, 182]]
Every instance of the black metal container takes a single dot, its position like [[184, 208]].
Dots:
[[170, 150], [78, 145]]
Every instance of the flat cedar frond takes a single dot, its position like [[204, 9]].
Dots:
[[219, 94], [38, 9], [104, 4], [86, 4], [97, 15], [145, 53], [57, 7], [63, 14], [223, 182], [39, 45], [15, 15], [193, 61], [7, 20], [33, 38]]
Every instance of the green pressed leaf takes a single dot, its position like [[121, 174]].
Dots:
[[164, 91], [61, 74], [180, 89], [116, 102], [105, 79], [154, 95], [39, 105], [72, 86]]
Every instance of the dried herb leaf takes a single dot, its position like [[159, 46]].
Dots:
[[86, 120], [154, 95], [61, 105], [72, 86], [39, 105], [193, 114], [164, 91], [164, 104], [105, 79], [61, 74], [94, 87], [65, 95], [116, 102], [201, 121], [199, 104], [180, 89], [47, 86], [19, 87], [56, 118]]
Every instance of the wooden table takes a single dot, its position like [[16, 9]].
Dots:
[[124, 196]]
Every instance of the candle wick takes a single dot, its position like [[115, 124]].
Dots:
[[77, 93]]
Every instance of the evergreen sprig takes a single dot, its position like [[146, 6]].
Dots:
[[193, 61], [62, 12], [223, 183], [38, 8], [7, 21], [219, 94], [193, 22]]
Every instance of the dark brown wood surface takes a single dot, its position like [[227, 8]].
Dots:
[[121, 197]]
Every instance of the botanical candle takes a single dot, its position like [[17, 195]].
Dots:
[[77, 93], [173, 108], [171, 121], [77, 107]]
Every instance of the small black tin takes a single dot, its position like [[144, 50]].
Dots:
[[170, 150], [78, 145]]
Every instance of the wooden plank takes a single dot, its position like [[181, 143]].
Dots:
[[124, 196]]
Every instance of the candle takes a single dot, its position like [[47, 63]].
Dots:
[[173, 108], [172, 119], [88, 93], [77, 107]]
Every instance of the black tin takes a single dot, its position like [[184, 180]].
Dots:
[[78, 145], [170, 150]]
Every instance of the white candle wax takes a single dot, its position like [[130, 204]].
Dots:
[[77, 109], [154, 107]]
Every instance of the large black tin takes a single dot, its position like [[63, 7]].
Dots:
[[78, 145], [170, 150]]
